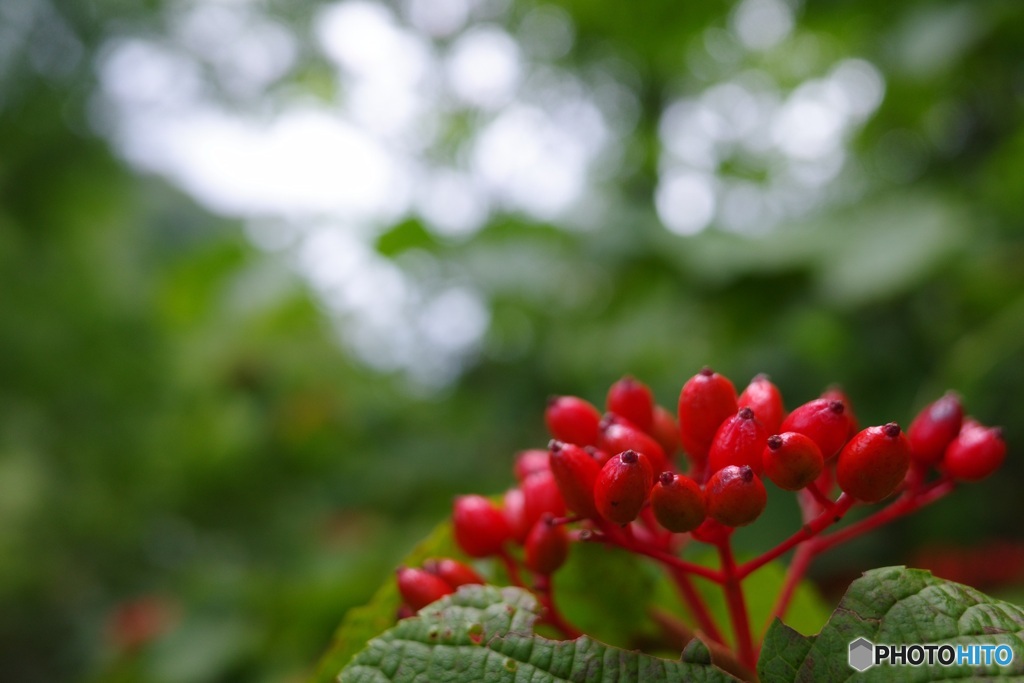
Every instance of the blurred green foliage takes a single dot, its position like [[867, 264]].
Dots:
[[178, 421]]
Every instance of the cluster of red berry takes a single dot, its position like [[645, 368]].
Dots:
[[601, 473]]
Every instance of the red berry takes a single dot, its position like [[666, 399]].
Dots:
[[547, 546], [540, 497], [617, 436], [514, 507], [934, 429], [824, 420], [735, 496], [419, 587], [573, 420], [712, 531], [836, 393], [874, 463], [706, 400], [452, 572], [632, 400], [623, 486], [480, 528], [597, 454], [575, 472], [975, 453], [792, 460], [678, 503], [738, 441], [765, 399], [665, 431], [529, 462]]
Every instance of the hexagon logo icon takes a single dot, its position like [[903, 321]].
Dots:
[[862, 654]]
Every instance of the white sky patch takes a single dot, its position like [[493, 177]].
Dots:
[[762, 24], [484, 67]]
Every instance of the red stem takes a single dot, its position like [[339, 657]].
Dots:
[[511, 568], [552, 615], [827, 518], [910, 501], [794, 574], [696, 603], [737, 606]]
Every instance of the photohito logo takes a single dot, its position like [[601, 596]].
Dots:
[[864, 654]]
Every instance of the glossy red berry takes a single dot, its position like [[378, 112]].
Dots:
[[665, 431], [712, 531], [792, 460], [738, 441], [874, 462], [678, 503], [452, 572], [623, 486], [824, 420], [514, 507], [529, 462], [575, 472], [547, 546], [632, 400], [419, 587], [573, 420], [934, 429], [617, 436], [836, 393], [705, 401], [480, 528], [541, 497], [597, 454], [975, 453], [735, 496], [765, 399]]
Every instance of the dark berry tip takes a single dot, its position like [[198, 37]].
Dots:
[[746, 413], [891, 430], [762, 377], [666, 478], [747, 473], [775, 442], [706, 371], [553, 399], [836, 406], [997, 432], [629, 457], [555, 445], [607, 420]]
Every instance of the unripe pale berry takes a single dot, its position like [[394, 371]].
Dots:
[[934, 428], [824, 420], [705, 401], [765, 399], [792, 460], [573, 420], [874, 463], [419, 587], [480, 528], [575, 472], [623, 486], [452, 572], [547, 546], [632, 400], [735, 496], [975, 453], [678, 503], [738, 441], [617, 436]]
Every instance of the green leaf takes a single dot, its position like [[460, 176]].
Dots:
[[894, 606], [484, 633]]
